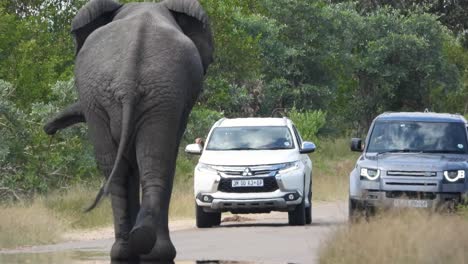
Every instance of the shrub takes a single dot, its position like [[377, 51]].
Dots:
[[200, 122], [31, 161], [308, 122]]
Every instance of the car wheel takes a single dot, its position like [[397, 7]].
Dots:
[[308, 210], [205, 220], [297, 216], [356, 211]]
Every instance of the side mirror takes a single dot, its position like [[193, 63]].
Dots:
[[307, 147], [194, 149], [356, 145]]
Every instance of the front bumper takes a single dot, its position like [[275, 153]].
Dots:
[[249, 202], [391, 199], [392, 191], [213, 193]]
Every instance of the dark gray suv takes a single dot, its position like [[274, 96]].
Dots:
[[410, 160]]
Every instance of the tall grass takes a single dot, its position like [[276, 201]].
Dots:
[[401, 237], [182, 200], [332, 163], [70, 205], [28, 224]]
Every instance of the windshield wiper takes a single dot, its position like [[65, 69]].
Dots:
[[275, 148], [396, 151], [241, 149], [443, 151]]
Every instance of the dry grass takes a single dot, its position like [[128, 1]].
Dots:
[[182, 200], [28, 225], [331, 167], [70, 205], [401, 237]]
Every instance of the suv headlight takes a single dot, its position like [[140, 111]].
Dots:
[[454, 175], [290, 166], [205, 168], [370, 174]]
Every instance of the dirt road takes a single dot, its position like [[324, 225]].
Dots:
[[262, 238]]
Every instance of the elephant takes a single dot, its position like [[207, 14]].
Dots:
[[139, 69]]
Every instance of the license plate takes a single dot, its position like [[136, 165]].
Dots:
[[247, 183], [410, 203]]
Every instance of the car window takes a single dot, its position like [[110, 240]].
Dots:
[[407, 136], [250, 138]]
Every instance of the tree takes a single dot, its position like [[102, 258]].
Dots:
[[452, 13], [35, 46], [401, 62]]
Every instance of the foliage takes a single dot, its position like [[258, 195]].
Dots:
[[31, 161], [199, 124], [401, 61], [308, 122], [232, 80], [451, 13], [35, 47]]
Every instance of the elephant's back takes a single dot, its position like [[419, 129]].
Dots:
[[144, 53]]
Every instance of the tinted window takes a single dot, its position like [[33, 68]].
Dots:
[[250, 138], [418, 137]]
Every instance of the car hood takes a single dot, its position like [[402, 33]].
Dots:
[[415, 162], [249, 157]]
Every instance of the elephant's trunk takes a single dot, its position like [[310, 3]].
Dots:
[[128, 105]]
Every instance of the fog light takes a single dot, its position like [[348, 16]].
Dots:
[[291, 196], [205, 198]]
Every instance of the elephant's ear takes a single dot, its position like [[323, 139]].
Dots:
[[193, 20], [90, 17]]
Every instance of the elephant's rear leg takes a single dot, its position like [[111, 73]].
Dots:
[[156, 149], [124, 186]]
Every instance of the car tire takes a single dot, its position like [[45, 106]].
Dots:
[[297, 217], [356, 211], [308, 210], [206, 220]]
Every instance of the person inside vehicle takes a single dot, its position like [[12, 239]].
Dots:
[[200, 142]]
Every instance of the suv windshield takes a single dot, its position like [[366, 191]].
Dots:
[[250, 138], [404, 136]]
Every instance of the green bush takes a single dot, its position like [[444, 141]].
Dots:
[[200, 121], [308, 122], [31, 161]]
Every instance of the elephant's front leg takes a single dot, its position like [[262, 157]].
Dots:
[[156, 148]]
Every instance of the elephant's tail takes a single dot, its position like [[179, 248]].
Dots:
[[128, 104]]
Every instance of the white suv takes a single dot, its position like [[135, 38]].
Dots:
[[253, 165]]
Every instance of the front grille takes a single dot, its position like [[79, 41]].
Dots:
[[411, 183], [411, 195], [252, 173], [243, 171], [412, 173], [269, 185]]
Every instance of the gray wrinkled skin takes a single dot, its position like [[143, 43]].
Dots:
[[139, 70]]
